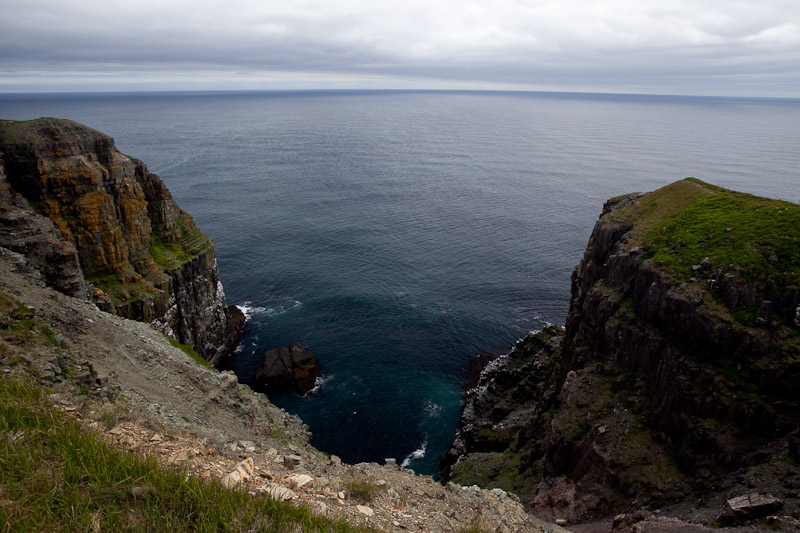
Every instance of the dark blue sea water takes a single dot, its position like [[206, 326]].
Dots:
[[397, 234]]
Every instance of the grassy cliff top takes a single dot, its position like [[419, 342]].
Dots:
[[683, 223], [43, 130]]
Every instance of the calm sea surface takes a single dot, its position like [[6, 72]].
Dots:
[[398, 234]]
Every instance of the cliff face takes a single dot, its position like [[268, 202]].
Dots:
[[108, 229], [678, 374]]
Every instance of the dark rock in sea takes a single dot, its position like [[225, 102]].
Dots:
[[292, 367], [481, 361], [236, 321]]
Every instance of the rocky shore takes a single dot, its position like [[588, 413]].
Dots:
[[124, 381]]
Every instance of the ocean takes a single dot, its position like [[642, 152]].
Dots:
[[398, 234]]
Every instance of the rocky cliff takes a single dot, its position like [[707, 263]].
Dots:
[[97, 224], [676, 381]]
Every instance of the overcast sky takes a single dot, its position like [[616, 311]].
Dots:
[[706, 47]]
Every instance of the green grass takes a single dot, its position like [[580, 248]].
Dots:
[[19, 325], [755, 235], [188, 350], [123, 288], [172, 254], [361, 491], [56, 476], [756, 239]]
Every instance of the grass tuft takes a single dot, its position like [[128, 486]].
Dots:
[[188, 350], [361, 491]]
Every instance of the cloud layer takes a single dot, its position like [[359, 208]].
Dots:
[[676, 46]]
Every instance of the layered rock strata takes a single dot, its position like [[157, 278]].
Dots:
[[676, 380], [88, 215]]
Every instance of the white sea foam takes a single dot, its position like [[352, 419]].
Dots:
[[433, 410], [419, 453], [319, 384], [251, 310]]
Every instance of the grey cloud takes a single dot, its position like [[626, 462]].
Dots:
[[717, 46]]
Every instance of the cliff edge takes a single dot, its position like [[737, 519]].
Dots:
[[99, 225], [674, 384]]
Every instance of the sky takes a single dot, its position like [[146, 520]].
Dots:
[[701, 47]]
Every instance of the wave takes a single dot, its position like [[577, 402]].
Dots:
[[251, 310], [419, 453], [433, 410], [319, 384]]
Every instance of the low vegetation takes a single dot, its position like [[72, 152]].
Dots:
[[361, 491], [757, 236], [19, 325], [171, 254], [682, 224], [188, 350], [56, 476]]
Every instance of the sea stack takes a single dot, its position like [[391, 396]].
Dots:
[[292, 367]]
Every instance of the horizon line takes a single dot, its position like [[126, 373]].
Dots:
[[165, 92]]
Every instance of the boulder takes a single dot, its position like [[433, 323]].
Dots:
[[749, 507], [292, 367]]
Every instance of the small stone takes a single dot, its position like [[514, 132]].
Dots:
[[561, 522], [341, 495], [242, 471], [281, 493], [335, 460], [300, 480], [363, 509], [156, 438], [390, 461], [292, 460], [181, 456], [380, 483]]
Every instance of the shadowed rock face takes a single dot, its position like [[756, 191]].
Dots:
[[85, 211], [286, 368], [668, 386]]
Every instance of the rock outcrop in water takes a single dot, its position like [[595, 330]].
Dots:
[[292, 367], [97, 224], [676, 381]]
